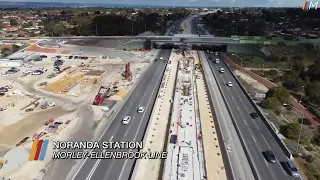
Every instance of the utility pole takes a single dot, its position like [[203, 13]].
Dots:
[[298, 143], [132, 28], [96, 29]]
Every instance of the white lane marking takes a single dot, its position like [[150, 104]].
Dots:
[[266, 162], [246, 109], [232, 97], [135, 136], [254, 139], [245, 121], [256, 124], [126, 134], [238, 108], [145, 72], [111, 138], [93, 169], [284, 172], [266, 141]]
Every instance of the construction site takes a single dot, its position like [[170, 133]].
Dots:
[[185, 149], [56, 103]]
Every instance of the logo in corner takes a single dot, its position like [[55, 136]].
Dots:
[[309, 5], [38, 150]]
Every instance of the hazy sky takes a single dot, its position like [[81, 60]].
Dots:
[[212, 3]]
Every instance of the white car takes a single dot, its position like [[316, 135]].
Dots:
[[216, 53], [141, 109], [51, 104], [230, 84], [161, 58], [43, 69], [36, 73], [27, 71], [222, 70], [4, 75], [126, 120]]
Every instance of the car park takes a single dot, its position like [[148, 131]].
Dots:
[[292, 168], [126, 120], [270, 156], [222, 70], [229, 84], [141, 109]]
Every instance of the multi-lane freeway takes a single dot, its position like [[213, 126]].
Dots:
[[255, 134], [143, 95]]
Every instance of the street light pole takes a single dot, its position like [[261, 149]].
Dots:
[[298, 143], [301, 94]]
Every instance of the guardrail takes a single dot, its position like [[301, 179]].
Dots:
[[224, 153], [253, 168], [264, 119]]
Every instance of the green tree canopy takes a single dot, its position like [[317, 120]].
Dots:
[[13, 22], [292, 131], [312, 91], [280, 93], [270, 103]]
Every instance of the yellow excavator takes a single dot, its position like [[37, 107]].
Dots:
[[198, 65]]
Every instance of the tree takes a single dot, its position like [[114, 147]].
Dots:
[[312, 91], [13, 22], [270, 103], [314, 71], [280, 93], [284, 59], [15, 48], [292, 131], [316, 138], [5, 51]]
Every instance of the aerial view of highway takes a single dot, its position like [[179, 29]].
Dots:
[[144, 91]]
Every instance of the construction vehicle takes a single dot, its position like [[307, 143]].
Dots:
[[82, 65], [127, 73], [101, 95], [198, 65]]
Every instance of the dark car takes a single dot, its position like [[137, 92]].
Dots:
[[70, 57], [2, 94], [2, 89], [292, 168], [254, 115], [270, 156], [43, 56], [58, 63], [11, 71], [156, 59]]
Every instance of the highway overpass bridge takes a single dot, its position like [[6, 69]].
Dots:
[[186, 39]]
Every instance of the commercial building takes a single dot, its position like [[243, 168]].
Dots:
[[11, 63]]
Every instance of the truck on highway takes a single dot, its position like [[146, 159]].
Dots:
[[217, 61]]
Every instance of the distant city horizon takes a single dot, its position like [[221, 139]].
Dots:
[[145, 3]]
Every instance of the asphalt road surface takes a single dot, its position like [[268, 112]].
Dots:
[[255, 134], [143, 95]]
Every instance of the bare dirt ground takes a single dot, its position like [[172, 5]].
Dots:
[[251, 81], [12, 134]]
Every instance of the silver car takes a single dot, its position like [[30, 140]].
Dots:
[[292, 169], [126, 120]]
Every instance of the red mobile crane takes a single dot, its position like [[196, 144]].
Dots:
[[127, 73], [101, 95]]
